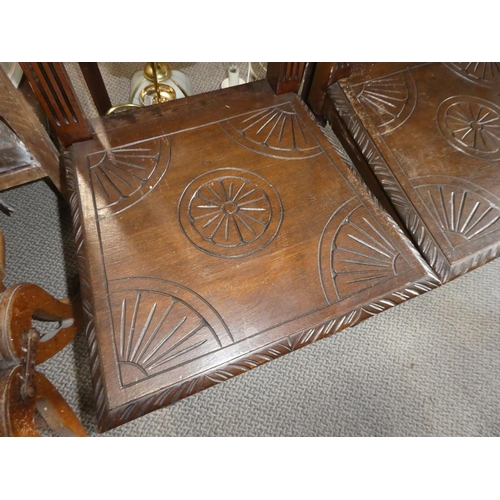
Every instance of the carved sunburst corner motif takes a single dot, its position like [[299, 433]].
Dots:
[[463, 212], [159, 325], [355, 253], [389, 101], [486, 74], [123, 176], [278, 132]]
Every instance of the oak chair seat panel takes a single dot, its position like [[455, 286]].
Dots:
[[431, 134], [215, 240]]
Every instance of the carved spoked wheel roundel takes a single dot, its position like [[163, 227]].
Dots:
[[230, 212], [471, 125]]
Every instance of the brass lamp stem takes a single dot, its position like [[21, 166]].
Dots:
[[155, 76]]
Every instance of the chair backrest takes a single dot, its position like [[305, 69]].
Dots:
[[52, 86], [38, 155]]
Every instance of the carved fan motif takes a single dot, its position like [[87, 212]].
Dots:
[[158, 329], [389, 101], [462, 213], [471, 125], [230, 212], [355, 253], [278, 132], [123, 176], [483, 73]]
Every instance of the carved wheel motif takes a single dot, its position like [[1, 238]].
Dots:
[[230, 212], [389, 101], [159, 325], [278, 132], [471, 125], [486, 74], [463, 211], [122, 176], [355, 253]]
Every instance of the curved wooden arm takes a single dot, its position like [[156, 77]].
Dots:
[[18, 305]]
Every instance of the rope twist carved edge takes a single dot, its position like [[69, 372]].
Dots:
[[109, 419], [85, 289], [422, 236], [239, 366]]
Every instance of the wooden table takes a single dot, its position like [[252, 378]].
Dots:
[[217, 233]]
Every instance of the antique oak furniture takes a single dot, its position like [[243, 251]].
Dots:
[[27, 152], [28, 401], [430, 134], [217, 233], [222, 231]]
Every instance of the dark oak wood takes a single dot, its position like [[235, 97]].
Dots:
[[52, 86], [96, 86], [430, 133], [28, 401], [285, 76], [355, 155], [19, 176], [18, 305], [42, 157], [325, 73], [46, 409], [217, 233]]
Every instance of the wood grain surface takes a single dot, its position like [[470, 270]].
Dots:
[[431, 135], [217, 233]]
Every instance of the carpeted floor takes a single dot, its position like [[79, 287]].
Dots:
[[429, 367]]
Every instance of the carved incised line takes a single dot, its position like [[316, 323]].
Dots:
[[413, 222], [123, 176], [159, 325], [471, 125], [355, 253], [486, 74], [230, 212], [462, 211], [239, 366], [278, 132], [389, 101]]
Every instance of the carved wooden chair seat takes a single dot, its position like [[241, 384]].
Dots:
[[217, 233], [429, 136]]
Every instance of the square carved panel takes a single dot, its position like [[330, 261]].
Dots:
[[218, 233]]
